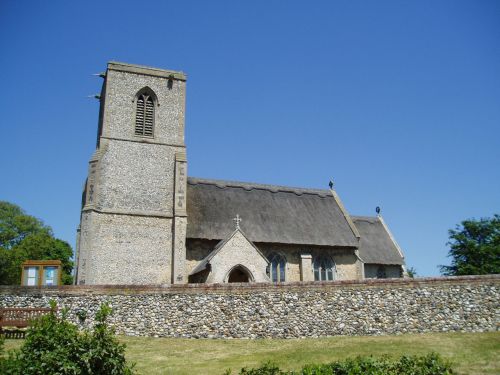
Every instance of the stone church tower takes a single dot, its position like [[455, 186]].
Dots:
[[133, 219]]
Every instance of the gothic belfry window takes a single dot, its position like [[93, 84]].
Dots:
[[145, 113]]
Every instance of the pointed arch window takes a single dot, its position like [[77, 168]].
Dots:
[[145, 113], [276, 267], [324, 268]]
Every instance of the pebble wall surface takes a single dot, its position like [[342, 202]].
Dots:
[[288, 310]]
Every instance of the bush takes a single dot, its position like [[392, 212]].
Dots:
[[266, 369], [431, 364], [2, 342], [55, 346]]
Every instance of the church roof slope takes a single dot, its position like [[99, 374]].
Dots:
[[273, 214], [376, 244]]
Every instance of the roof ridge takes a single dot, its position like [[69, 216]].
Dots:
[[256, 186], [366, 218]]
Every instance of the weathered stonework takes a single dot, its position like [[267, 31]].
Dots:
[[306, 269], [127, 246], [237, 251], [136, 178], [180, 221], [347, 264], [119, 115], [179, 251], [130, 232], [289, 310]]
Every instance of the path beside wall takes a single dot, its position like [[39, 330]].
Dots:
[[288, 310]]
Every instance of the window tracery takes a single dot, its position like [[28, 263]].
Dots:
[[277, 267], [145, 113], [324, 269]]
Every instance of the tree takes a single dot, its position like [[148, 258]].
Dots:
[[412, 272], [24, 237], [15, 225], [474, 248]]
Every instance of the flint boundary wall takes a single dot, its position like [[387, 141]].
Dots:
[[287, 310]]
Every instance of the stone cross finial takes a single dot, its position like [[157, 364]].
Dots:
[[237, 220]]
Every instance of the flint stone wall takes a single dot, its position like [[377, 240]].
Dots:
[[288, 310]]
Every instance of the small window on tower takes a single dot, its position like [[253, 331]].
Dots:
[[145, 114]]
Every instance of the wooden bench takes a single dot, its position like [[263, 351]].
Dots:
[[17, 318]]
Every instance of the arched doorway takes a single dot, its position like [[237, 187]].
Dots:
[[238, 275]]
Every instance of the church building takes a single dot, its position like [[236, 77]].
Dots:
[[144, 221]]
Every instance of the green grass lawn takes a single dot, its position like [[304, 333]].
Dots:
[[471, 353]]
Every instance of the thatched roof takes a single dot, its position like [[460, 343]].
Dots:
[[272, 214], [376, 244]]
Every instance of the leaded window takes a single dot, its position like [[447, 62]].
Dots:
[[324, 269], [277, 267], [145, 115], [381, 274]]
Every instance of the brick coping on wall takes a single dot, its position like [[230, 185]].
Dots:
[[245, 287], [287, 310]]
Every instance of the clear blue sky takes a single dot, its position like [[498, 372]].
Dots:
[[397, 101]]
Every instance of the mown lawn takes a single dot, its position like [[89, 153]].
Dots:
[[471, 353]]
